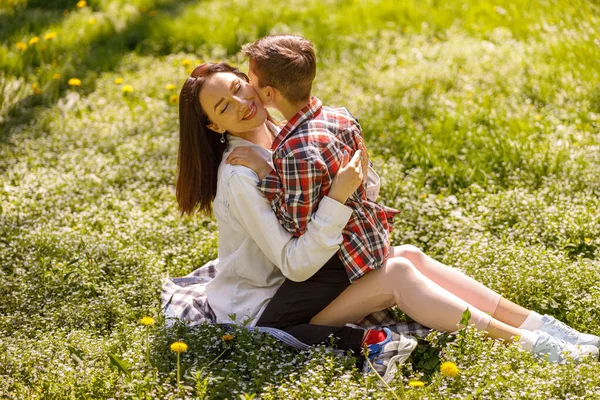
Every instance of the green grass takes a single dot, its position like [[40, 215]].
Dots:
[[483, 119]]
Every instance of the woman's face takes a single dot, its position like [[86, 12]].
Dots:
[[231, 104]]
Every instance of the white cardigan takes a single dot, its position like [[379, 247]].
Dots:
[[256, 253]]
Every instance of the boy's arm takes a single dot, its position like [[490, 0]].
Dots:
[[294, 189], [249, 157], [298, 258]]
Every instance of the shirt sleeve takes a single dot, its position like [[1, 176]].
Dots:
[[293, 188], [373, 184], [298, 258]]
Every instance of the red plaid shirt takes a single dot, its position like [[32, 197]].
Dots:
[[307, 154]]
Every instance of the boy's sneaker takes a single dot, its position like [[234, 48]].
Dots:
[[387, 355], [560, 330], [558, 351]]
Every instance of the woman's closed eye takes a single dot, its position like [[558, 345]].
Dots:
[[236, 89]]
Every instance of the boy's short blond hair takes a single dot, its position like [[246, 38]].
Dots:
[[285, 62]]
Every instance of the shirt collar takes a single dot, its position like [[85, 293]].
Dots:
[[307, 112], [236, 141]]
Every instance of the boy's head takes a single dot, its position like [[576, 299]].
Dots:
[[286, 63]]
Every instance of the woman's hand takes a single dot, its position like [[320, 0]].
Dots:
[[248, 157], [348, 178]]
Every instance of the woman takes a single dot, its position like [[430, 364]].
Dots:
[[428, 291], [255, 253]]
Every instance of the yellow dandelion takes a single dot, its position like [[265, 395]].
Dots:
[[227, 337], [55, 76], [127, 89], [147, 321], [170, 86], [587, 240], [449, 369], [92, 21], [179, 347], [81, 4], [416, 384], [21, 46], [36, 88], [538, 117], [174, 99], [186, 62], [49, 35], [34, 40], [74, 82], [118, 81]]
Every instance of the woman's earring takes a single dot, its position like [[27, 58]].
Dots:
[[222, 138]]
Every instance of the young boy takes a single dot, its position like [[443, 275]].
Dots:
[[308, 151]]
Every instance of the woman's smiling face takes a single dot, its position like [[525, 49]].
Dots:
[[231, 104]]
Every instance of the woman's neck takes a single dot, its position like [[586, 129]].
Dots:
[[260, 136]]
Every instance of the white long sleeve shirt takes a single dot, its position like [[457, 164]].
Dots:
[[256, 253]]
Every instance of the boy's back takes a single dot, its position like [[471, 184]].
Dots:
[[307, 155]]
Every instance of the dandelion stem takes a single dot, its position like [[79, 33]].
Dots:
[[178, 383], [214, 360], [147, 347]]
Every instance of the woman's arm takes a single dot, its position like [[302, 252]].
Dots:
[[298, 258]]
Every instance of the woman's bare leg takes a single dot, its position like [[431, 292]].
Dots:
[[463, 286], [399, 283]]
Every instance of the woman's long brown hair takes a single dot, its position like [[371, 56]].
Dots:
[[200, 148]]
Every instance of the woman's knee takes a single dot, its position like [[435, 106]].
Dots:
[[410, 252]]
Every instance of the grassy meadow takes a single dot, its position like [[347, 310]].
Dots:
[[483, 119]]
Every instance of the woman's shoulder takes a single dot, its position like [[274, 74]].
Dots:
[[234, 182], [236, 175]]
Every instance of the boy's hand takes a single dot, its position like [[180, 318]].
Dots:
[[250, 158], [348, 178]]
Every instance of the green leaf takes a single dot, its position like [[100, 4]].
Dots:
[[432, 362], [466, 316], [121, 365], [76, 354]]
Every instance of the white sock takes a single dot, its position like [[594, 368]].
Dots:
[[528, 339], [532, 322]]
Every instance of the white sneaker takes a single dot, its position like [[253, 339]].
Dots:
[[388, 355], [560, 330], [558, 351]]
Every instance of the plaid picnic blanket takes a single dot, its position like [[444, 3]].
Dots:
[[185, 298]]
